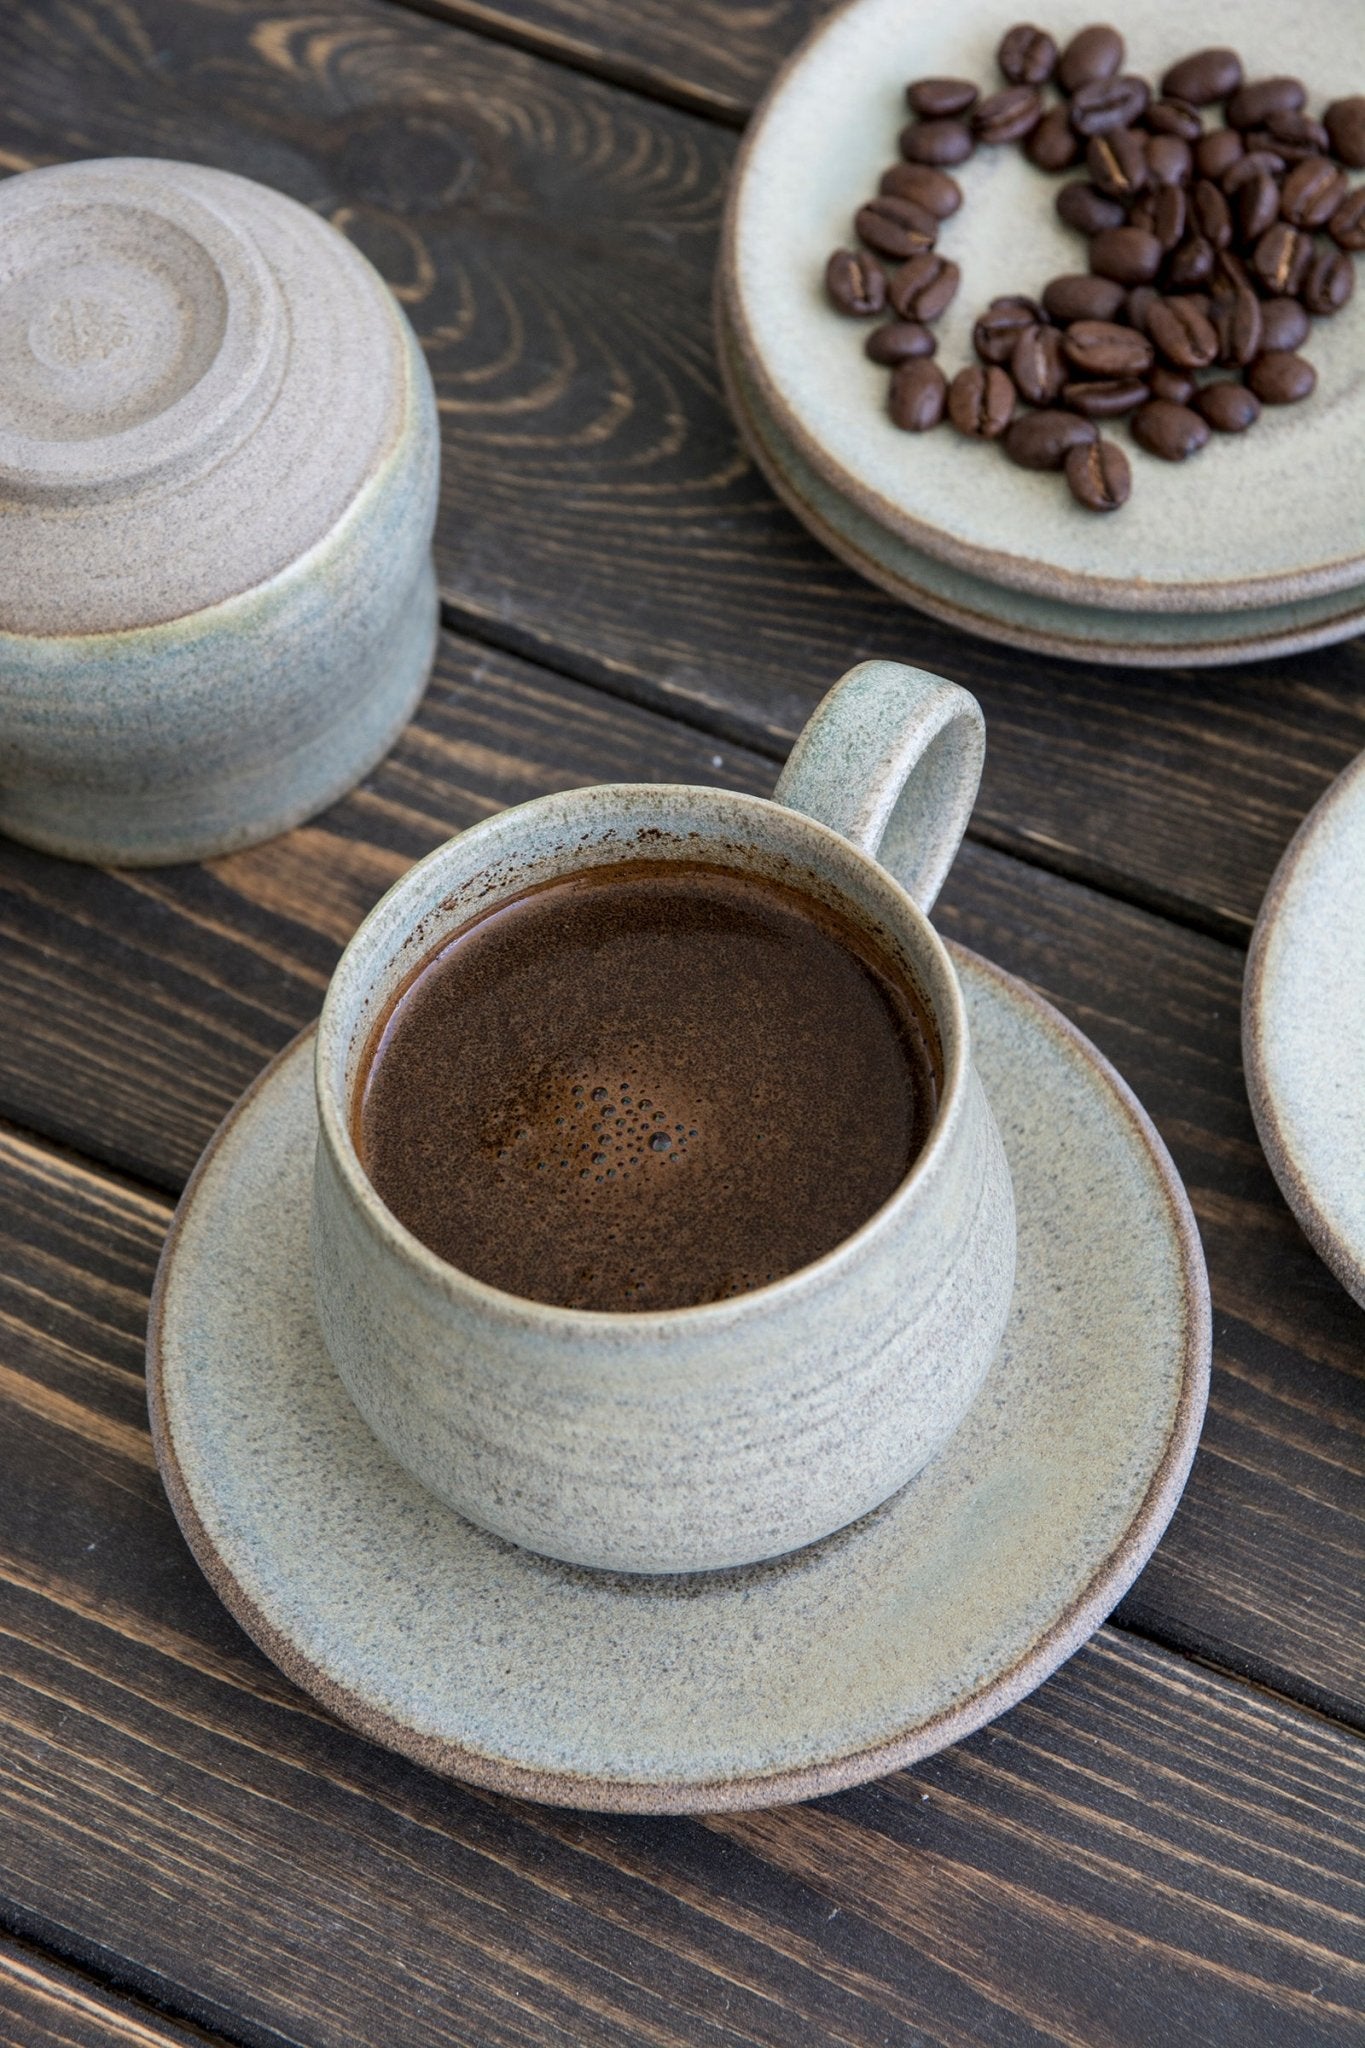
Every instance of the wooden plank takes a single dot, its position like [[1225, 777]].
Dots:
[[715, 57], [1144, 1850], [45, 2005], [553, 240], [141, 1004]]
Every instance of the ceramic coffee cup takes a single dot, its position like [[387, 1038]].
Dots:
[[691, 1438], [218, 472]]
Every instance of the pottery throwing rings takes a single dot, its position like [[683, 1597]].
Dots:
[[218, 470]]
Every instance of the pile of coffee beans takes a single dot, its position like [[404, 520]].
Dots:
[[1210, 250]]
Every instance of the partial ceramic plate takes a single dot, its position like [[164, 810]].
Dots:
[[1014, 617], [1303, 1027], [1264, 518], [744, 1688]]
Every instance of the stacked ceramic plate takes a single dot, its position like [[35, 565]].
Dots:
[[1255, 548]]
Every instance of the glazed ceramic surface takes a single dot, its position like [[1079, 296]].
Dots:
[[1273, 516], [1303, 1027], [218, 466], [742, 1688], [693, 1438], [1019, 618]]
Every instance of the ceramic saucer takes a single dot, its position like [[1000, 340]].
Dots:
[[1261, 519], [1303, 1027], [740, 1688], [1018, 618]]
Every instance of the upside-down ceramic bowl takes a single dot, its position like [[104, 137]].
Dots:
[[218, 470]]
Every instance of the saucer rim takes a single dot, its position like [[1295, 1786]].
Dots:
[[1293, 1174], [1006, 568], [987, 626], [1072, 1627]]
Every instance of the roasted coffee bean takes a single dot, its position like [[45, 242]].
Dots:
[[934, 190], [1117, 163], [1037, 365], [1216, 153], [1192, 262], [1284, 325], [1207, 76], [1229, 407], [921, 288], [1174, 117], [1027, 55], [1000, 326], [1132, 255], [855, 283], [1185, 336], [1170, 160], [1108, 104], [1281, 258], [1291, 135], [1101, 348], [900, 341], [1344, 121], [1104, 398], [918, 395], [1040, 440], [1313, 191], [1251, 105], [938, 99], [981, 401], [1008, 115], [1168, 216], [1138, 303], [1230, 274], [1258, 206], [1164, 382], [1092, 54], [1087, 210], [1079, 297], [1054, 144], [1098, 476], [1250, 165], [1328, 282], [1347, 225], [1281, 378], [895, 227], [937, 142], [1170, 431], [1239, 322], [1209, 215]]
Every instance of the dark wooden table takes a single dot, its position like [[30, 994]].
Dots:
[[1162, 1845]]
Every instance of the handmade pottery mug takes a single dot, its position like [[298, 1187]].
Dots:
[[218, 468], [691, 1438]]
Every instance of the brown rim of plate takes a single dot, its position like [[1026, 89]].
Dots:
[[1014, 571], [1073, 1627], [1335, 1254], [1115, 654]]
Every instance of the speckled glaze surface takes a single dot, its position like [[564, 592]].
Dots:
[[708, 1691], [696, 1438], [1019, 618], [1303, 1027], [218, 469], [1275, 516]]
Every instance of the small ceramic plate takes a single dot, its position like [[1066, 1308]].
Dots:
[[1265, 518], [739, 1688], [1017, 617], [1303, 1027]]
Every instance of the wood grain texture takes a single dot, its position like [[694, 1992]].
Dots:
[[139, 1005], [553, 240], [43, 2005], [1144, 1850]]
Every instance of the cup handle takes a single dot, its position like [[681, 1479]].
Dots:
[[892, 758]]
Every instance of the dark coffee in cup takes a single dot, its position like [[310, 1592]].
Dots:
[[647, 1086]]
